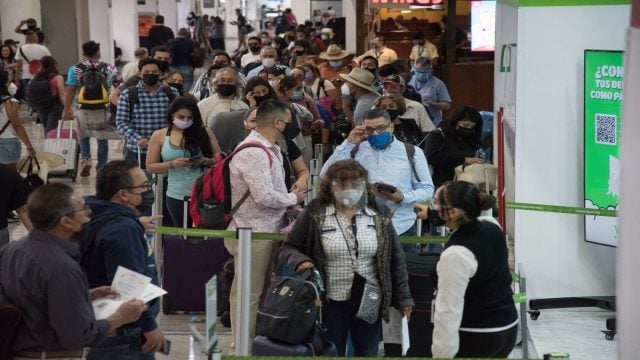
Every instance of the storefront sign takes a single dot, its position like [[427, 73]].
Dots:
[[603, 80], [404, 3]]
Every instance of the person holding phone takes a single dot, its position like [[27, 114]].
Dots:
[[184, 149], [399, 178]]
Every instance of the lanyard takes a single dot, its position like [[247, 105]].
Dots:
[[354, 238], [420, 50]]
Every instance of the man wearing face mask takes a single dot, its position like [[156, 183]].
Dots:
[[227, 96], [136, 122], [387, 162], [254, 52], [268, 58], [380, 51], [433, 91], [115, 237], [422, 47], [334, 65], [360, 83], [259, 171], [54, 293]]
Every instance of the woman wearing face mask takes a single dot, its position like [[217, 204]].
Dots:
[[11, 129], [348, 236], [455, 142], [304, 110], [406, 130], [258, 90], [8, 61], [183, 149], [175, 80], [475, 316]]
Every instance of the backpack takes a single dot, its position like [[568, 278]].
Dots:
[[34, 64], [134, 99], [292, 309], [39, 94], [212, 191], [281, 24], [411, 151], [93, 92]]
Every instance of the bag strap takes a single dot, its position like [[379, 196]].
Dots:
[[320, 86], [133, 99], [6, 125], [226, 171], [23, 55]]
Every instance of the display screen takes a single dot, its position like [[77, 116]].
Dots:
[[483, 25], [603, 75]]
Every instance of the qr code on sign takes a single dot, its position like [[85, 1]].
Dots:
[[606, 129]]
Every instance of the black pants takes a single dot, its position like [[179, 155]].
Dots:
[[487, 345], [175, 208]]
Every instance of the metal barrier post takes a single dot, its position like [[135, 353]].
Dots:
[[244, 291], [522, 288], [314, 172], [318, 152], [157, 210]]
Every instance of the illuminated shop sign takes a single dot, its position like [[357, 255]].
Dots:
[[406, 3]]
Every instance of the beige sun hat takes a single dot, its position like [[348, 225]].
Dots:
[[362, 78], [334, 53]]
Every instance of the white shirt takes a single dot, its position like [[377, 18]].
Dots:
[[31, 52], [248, 58], [130, 69], [213, 105], [416, 111]]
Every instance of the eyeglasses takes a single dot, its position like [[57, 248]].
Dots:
[[147, 186], [378, 129], [85, 208]]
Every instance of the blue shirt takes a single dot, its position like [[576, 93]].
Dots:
[[432, 90], [391, 166], [257, 70], [148, 115]]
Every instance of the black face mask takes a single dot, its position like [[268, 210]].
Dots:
[[393, 113], [465, 133], [163, 66], [298, 52], [150, 79], [291, 130], [178, 87], [434, 217], [254, 49], [260, 99], [226, 90], [148, 197]]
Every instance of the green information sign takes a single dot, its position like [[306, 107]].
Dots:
[[603, 79]]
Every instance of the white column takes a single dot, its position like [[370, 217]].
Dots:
[[125, 26], [100, 28], [14, 11], [302, 10], [349, 12], [169, 9], [183, 9]]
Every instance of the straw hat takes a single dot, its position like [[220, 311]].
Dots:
[[362, 78], [334, 53]]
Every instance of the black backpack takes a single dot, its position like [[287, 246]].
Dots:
[[39, 94], [94, 93]]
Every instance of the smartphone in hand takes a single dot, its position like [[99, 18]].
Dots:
[[385, 187], [166, 348]]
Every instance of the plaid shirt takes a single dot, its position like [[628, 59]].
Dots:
[[148, 115]]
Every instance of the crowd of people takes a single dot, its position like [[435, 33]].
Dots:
[[185, 103]]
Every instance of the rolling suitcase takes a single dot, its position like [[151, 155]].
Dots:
[[64, 141], [188, 263], [419, 268], [264, 346]]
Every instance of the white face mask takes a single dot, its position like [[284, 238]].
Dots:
[[12, 88], [182, 124], [274, 83], [268, 62], [348, 197]]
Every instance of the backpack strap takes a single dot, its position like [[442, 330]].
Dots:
[[133, 99], [320, 87], [6, 125], [410, 149], [23, 55], [226, 175], [167, 91]]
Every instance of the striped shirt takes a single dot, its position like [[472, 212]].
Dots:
[[346, 250], [148, 115]]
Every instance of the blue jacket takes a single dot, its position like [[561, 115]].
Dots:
[[119, 242]]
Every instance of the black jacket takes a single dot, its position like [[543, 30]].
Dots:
[[304, 244], [444, 153], [159, 35]]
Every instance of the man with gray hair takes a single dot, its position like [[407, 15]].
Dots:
[[228, 96], [53, 292], [268, 57], [131, 68], [399, 171], [434, 93]]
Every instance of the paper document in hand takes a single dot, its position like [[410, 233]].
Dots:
[[129, 285]]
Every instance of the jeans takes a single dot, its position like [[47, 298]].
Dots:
[[103, 150], [341, 321], [49, 117], [175, 208], [10, 149], [126, 345], [410, 248]]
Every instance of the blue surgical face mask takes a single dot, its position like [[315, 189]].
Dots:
[[297, 96], [423, 75], [379, 141], [335, 63]]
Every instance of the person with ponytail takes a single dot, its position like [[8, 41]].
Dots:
[[475, 315], [184, 149]]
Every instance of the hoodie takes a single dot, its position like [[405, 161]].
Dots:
[[119, 242]]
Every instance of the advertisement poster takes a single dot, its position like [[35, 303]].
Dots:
[[603, 80]]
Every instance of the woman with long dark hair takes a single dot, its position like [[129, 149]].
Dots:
[[257, 90], [183, 149], [50, 114], [475, 316], [8, 61], [11, 129]]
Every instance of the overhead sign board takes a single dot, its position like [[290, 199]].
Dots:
[[406, 3]]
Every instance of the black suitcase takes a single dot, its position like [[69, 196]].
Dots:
[[264, 346], [419, 267], [188, 263]]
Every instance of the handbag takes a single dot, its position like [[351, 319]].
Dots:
[[370, 299], [247, 29], [32, 181], [483, 175]]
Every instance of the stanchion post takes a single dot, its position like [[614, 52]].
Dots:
[[244, 291], [157, 210], [313, 179], [318, 151]]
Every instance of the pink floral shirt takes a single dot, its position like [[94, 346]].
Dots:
[[269, 198]]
